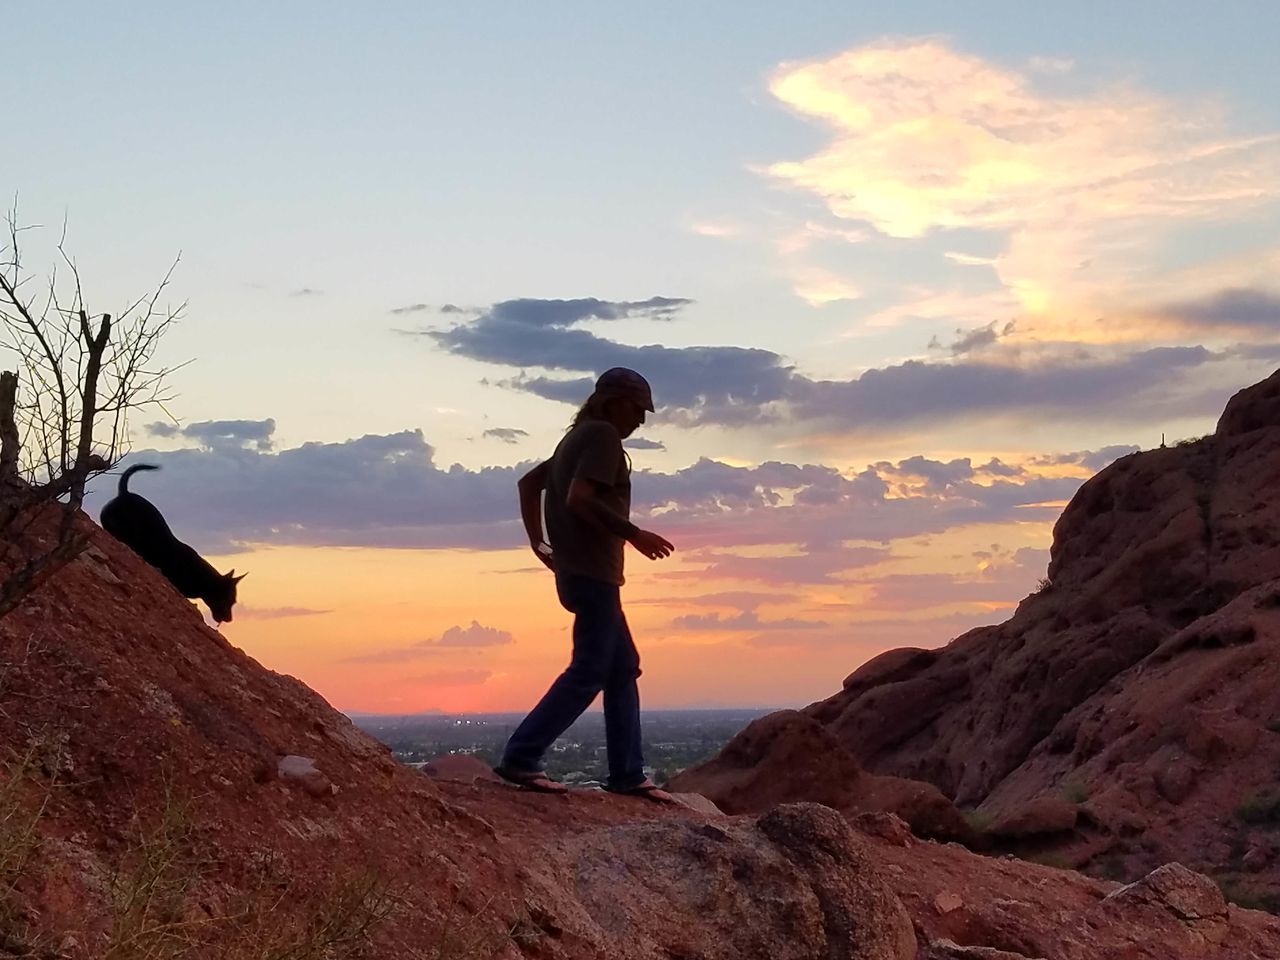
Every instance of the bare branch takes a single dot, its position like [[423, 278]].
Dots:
[[84, 374]]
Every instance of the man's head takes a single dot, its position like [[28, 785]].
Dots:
[[624, 397], [621, 382]]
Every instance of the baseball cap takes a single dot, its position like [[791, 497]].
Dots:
[[622, 382]]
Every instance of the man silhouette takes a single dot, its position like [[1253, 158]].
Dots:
[[588, 501]]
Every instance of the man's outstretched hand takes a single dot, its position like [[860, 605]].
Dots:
[[651, 545]]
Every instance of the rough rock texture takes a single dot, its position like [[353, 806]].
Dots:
[[787, 757], [1141, 684]]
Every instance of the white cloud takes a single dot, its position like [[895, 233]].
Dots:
[[926, 138]]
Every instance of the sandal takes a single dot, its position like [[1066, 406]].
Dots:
[[646, 789], [535, 780]]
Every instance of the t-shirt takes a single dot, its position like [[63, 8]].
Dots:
[[593, 451]]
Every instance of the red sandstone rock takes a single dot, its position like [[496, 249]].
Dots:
[[461, 767], [787, 757], [1041, 815], [1143, 679]]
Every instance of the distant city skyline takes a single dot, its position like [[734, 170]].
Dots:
[[902, 278]]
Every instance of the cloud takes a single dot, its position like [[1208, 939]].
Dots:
[[1242, 310], [472, 636], [457, 637], [969, 260], [818, 287], [506, 434], [375, 490], [1005, 581], [870, 636], [1051, 65], [1093, 460], [739, 386], [307, 292], [737, 599], [640, 443], [387, 492], [410, 308], [720, 229], [814, 567], [747, 620], [220, 433], [923, 138], [968, 341], [245, 612], [937, 474], [565, 313]]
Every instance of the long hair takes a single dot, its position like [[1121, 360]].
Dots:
[[593, 409]]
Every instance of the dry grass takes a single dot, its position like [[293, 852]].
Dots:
[[157, 882], [20, 816]]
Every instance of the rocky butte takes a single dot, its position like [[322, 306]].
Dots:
[[163, 795]]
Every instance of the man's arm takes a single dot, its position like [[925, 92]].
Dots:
[[531, 486], [583, 501]]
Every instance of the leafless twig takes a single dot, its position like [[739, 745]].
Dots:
[[64, 416]]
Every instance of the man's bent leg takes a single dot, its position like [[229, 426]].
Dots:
[[595, 636]]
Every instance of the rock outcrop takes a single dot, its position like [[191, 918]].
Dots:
[[787, 757], [1128, 714]]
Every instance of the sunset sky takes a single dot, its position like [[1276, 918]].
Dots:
[[901, 279]]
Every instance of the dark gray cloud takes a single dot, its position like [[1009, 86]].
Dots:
[[1071, 384], [372, 491], [505, 434], [712, 503], [967, 341], [740, 386], [939, 475], [388, 491], [1090, 459], [1242, 308], [998, 468], [564, 313], [220, 433], [307, 292], [410, 308], [640, 443]]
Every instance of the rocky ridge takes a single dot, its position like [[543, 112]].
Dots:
[[1128, 714]]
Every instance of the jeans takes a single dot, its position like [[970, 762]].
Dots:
[[604, 659]]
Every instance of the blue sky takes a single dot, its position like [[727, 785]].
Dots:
[[972, 238]]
